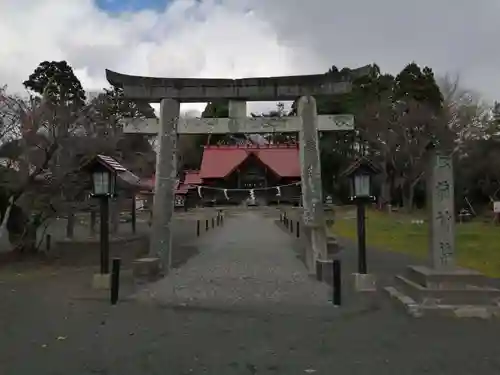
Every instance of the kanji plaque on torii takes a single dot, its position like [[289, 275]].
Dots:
[[170, 92]]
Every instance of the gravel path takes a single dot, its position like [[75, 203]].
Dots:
[[45, 328], [249, 262]]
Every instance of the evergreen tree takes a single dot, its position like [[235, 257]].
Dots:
[[57, 81]]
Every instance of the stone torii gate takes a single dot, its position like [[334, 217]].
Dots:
[[170, 92]]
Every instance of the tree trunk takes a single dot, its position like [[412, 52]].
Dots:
[[5, 244], [70, 224], [385, 194], [29, 240], [26, 242], [409, 195], [93, 217], [408, 200]]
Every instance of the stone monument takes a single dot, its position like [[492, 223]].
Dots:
[[441, 287]]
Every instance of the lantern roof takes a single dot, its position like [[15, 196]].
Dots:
[[362, 165], [126, 178], [105, 161]]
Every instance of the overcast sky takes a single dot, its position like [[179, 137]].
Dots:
[[238, 38]]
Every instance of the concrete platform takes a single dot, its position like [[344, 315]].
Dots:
[[324, 270], [469, 294], [454, 292], [147, 269], [417, 310], [365, 282], [446, 278], [101, 281]]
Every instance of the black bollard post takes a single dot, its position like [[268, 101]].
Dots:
[[197, 228], [221, 218], [362, 267], [336, 283], [217, 220], [115, 280], [206, 225], [291, 226], [319, 271], [297, 230], [213, 223]]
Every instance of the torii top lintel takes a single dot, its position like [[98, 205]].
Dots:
[[154, 89]]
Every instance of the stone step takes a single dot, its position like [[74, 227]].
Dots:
[[416, 310], [467, 295], [454, 278]]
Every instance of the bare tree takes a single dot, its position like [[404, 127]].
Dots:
[[467, 116], [396, 135], [42, 147], [377, 125]]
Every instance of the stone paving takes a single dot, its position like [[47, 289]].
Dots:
[[248, 263]]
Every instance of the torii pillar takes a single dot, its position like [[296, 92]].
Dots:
[[160, 243], [312, 197]]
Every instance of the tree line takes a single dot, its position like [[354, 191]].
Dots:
[[396, 118], [45, 136]]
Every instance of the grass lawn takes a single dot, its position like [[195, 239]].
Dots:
[[478, 244]]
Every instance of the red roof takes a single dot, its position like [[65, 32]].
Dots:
[[192, 178], [181, 188], [220, 161], [149, 183]]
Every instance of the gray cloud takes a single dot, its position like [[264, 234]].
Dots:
[[448, 35], [235, 38]]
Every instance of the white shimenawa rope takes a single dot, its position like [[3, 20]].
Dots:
[[277, 188]]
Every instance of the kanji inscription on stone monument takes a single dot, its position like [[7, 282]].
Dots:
[[442, 223]]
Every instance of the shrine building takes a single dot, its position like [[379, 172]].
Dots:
[[228, 173]]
